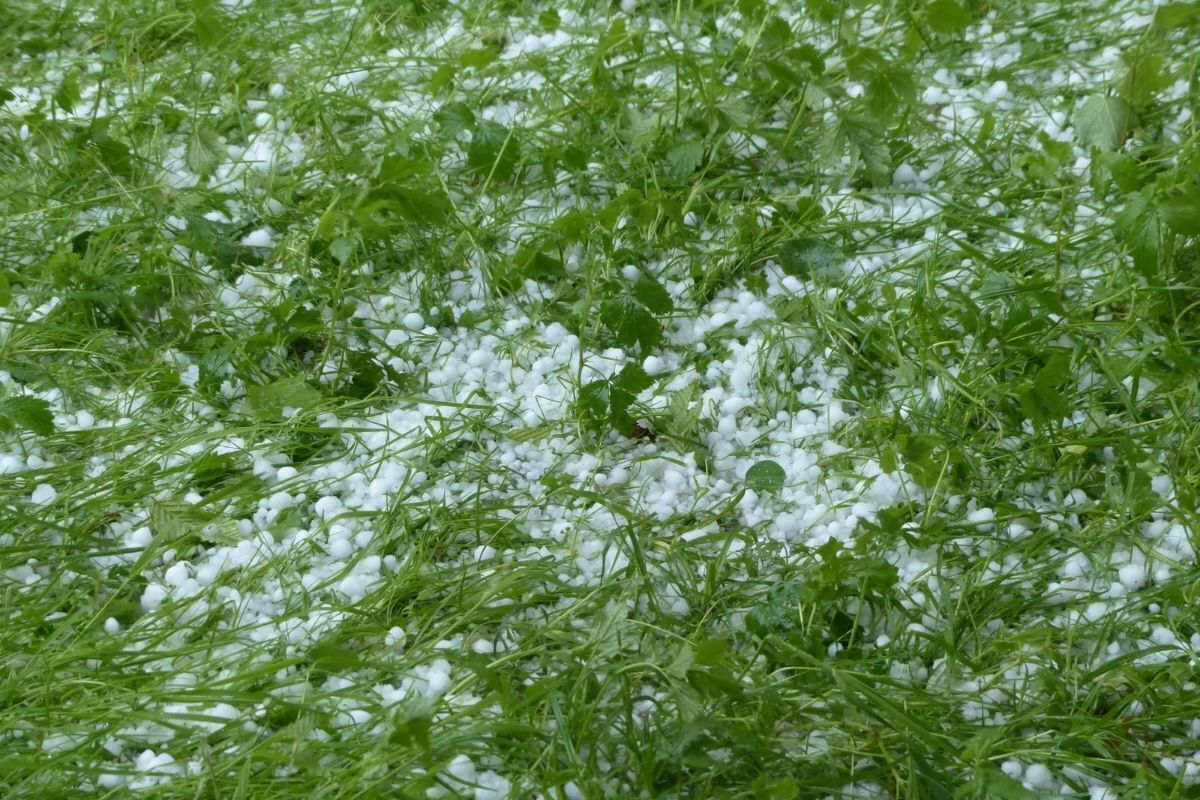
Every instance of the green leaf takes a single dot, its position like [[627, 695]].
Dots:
[[767, 787], [206, 23], [766, 476], [1181, 212], [330, 656], [709, 652], [805, 257], [549, 20], [203, 150], [632, 379], [30, 413], [776, 33], [67, 94], [631, 323], [1175, 15], [1136, 225], [413, 720], [270, 399], [653, 295], [1122, 168], [396, 200], [6, 95], [860, 136], [948, 17], [174, 519], [1143, 76], [623, 389], [1101, 121], [479, 57], [591, 404], [679, 666], [432, 206], [888, 84], [684, 157], [400, 168], [1003, 787], [683, 412], [493, 151], [455, 117], [114, 155]]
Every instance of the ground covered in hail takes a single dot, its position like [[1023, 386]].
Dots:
[[485, 399]]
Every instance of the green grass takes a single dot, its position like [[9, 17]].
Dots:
[[865, 540]]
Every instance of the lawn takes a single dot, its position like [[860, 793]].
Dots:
[[486, 399]]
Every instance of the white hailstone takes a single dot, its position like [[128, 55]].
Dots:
[[262, 237], [1038, 776], [153, 596], [1132, 576], [43, 494]]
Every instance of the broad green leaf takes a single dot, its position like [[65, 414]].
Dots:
[[1122, 168], [889, 85], [679, 666], [206, 22], [30, 413], [173, 519], [1136, 225], [493, 151], [343, 247], [225, 531], [1181, 212], [203, 150], [684, 157], [709, 652], [1101, 121], [455, 117], [624, 388], [766, 476], [413, 720], [947, 16], [432, 206], [631, 323], [67, 94], [591, 403], [401, 167], [632, 379], [114, 154], [330, 656], [805, 257], [1003, 787], [1143, 76], [750, 9], [6, 95], [549, 20], [768, 787], [861, 137], [479, 57], [404, 202], [605, 641], [653, 295], [291, 392], [809, 56], [776, 34], [1175, 15], [169, 519], [683, 412]]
